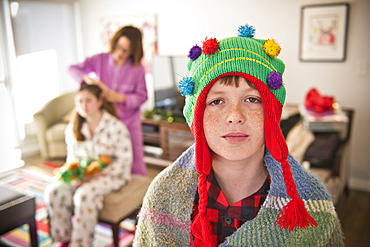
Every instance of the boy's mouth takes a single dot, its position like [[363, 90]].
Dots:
[[235, 137]]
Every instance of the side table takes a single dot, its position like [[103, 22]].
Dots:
[[17, 209]]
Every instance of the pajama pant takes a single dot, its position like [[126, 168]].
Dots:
[[63, 199]]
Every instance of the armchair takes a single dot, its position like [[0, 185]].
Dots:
[[326, 155], [51, 124]]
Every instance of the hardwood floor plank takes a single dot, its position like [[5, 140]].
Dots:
[[354, 213]]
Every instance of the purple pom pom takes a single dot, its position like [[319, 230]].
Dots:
[[274, 80], [186, 86], [195, 52]]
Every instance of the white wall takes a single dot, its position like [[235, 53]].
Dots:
[[181, 24]]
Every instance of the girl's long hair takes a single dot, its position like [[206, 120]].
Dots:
[[78, 120]]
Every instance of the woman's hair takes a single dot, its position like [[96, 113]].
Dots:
[[136, 43], [78, 120]]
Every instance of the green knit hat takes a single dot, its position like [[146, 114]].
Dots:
[[255, 60], [254, 57]]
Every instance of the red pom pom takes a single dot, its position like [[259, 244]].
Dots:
[[210, 46]]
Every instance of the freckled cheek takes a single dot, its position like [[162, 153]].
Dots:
[[257, 121], [256, 117], [211, 122]]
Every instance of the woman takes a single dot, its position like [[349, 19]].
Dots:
[[96, 130], [122, 78]]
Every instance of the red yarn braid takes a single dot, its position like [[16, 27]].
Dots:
[[293, 215], [201, 231]]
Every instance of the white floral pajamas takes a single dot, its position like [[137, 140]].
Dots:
[[85, 202], [64, 199]]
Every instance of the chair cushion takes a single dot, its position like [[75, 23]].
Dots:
[[298, 140], [56, 132], [57, 149], [121, 204]]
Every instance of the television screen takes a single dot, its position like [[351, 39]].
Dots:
[[167, 72]]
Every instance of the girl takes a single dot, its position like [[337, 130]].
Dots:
[[96, 130]]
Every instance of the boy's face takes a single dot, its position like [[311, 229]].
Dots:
[[233, 121]]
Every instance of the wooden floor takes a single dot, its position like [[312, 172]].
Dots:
[[353, 210], [354, 213]]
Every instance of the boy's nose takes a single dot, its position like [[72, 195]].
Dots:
[[235, 115]]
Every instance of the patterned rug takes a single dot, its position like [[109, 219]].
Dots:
[[33, 179]]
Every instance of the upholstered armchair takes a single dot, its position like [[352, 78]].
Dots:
[[51, 122]]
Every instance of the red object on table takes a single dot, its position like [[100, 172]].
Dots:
[[317, 102]]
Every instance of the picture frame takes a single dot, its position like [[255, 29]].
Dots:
[[323, 36]]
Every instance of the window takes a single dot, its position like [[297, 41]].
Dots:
[[41, 44]]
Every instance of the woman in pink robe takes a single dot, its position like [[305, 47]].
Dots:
[[122, 79]]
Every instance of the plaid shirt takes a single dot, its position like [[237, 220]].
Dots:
[[225, 219]]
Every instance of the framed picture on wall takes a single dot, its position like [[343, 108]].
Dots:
[[323, 36]]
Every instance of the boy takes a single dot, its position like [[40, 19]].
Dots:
[[238, 185]]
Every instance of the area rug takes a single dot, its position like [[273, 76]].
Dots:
[[33, 179]]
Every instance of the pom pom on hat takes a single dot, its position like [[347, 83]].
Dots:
[[271, 48], [246, 31], [186, 86], [274, 80], [195, 52], [210, 46]]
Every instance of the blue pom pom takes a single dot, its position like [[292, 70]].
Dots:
[[274, 80], [186, 86], [246, 31]]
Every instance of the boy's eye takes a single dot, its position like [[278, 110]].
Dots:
[[216, 102], [253, 100]]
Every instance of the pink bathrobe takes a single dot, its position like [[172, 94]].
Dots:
[[128, 80]]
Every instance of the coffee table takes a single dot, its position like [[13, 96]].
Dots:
[[16, 209]]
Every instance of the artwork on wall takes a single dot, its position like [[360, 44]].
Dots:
[[324, 32], [147, 23]]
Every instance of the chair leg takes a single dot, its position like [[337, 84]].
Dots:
[[33, 232], [115, 230]]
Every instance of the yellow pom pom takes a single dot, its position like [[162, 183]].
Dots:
[[271, 48]]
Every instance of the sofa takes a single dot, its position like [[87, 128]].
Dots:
[[51, 121]]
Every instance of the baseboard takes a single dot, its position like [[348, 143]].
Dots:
[[157, 161], [359, 184]]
